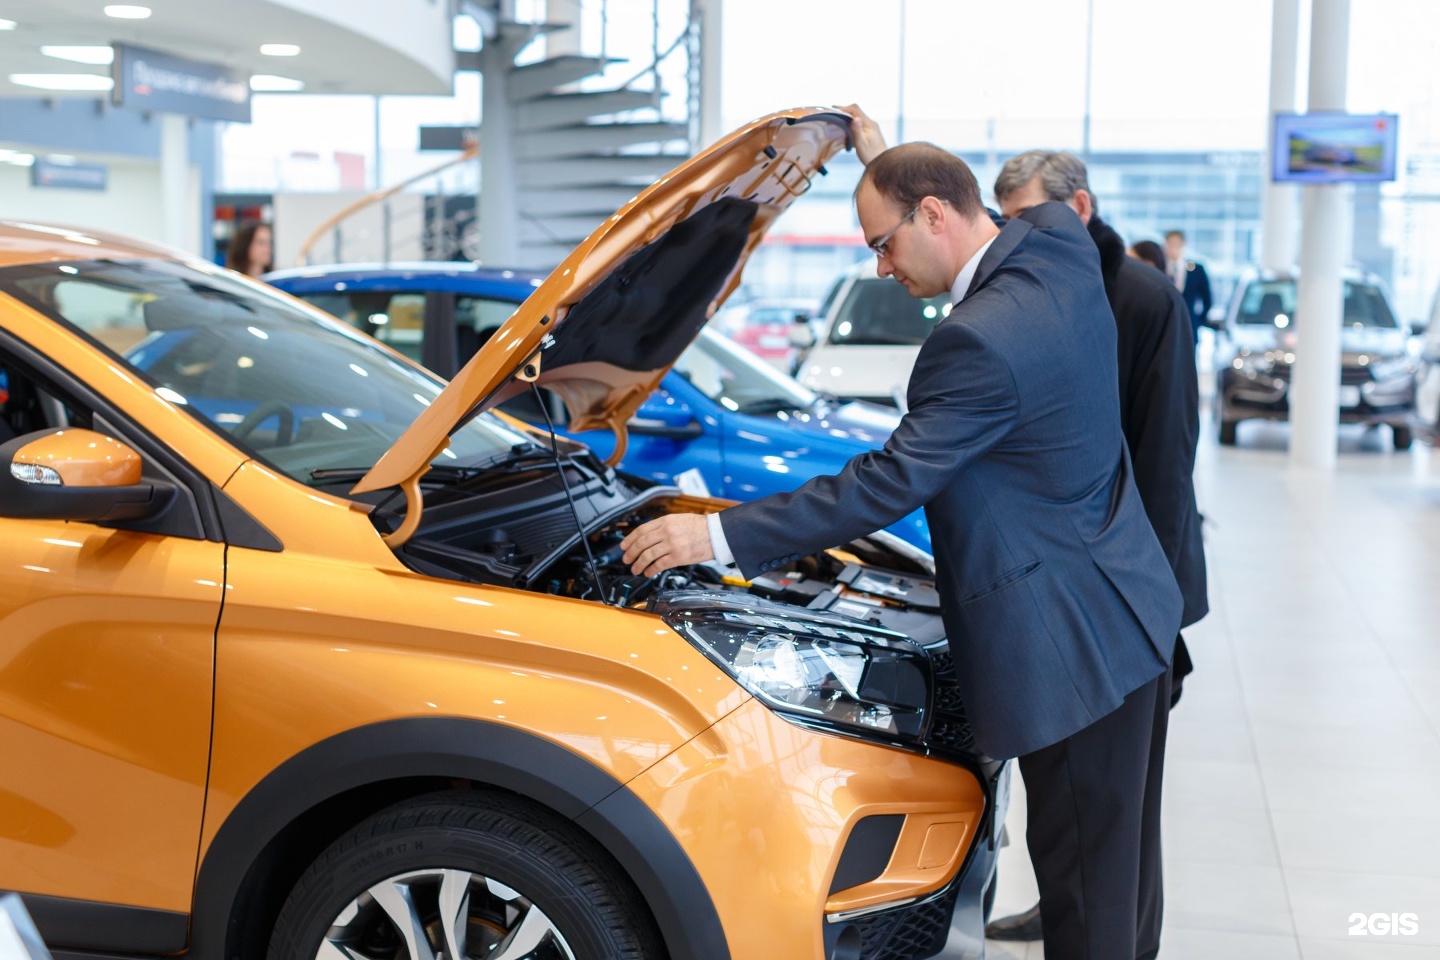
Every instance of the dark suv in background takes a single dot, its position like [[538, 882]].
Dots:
[[1256, 350]]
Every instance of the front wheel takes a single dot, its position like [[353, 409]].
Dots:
[[1402, 437], [1227, 432], [464, 875]]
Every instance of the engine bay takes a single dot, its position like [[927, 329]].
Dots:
[[521, 526]]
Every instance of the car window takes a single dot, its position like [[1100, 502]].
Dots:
[[300, 392], [1272, 303], [396, 319], [737, 379], [880, 312]]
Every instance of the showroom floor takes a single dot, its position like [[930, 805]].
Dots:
[[1303, 774]]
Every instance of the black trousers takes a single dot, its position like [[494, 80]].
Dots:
[[1093, 829]]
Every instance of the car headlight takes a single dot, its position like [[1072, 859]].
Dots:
[[1396, 368], [1254, 364], [817, 669]]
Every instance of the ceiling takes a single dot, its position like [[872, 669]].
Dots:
[[333, 58]]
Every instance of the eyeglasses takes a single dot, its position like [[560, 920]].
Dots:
[[882, 246]]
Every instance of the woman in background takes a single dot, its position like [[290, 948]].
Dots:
[[1150, 252], [250, 250]]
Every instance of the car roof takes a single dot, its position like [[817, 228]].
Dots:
[[26, 242], [449, 276]]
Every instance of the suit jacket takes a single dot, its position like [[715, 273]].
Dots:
[[1055, 593], [1159, 406]]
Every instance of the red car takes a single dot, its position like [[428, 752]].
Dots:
[[763, 327]]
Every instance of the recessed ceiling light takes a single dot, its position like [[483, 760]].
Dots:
[[268, 83], [95, 55], [62, 81], [125, 11], [280, 49], [7, 24]]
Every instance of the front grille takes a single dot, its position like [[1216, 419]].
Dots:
[[950, 730], [907, 933], [1354, 376]]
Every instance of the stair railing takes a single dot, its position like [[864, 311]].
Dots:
[[331, 225]]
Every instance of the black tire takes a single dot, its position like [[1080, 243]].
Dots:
[[521, 868], [1402, 437], [1227, 432]]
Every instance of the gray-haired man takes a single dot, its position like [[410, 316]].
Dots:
[[1159, 417]]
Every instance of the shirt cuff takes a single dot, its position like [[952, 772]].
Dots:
[[718, 546]]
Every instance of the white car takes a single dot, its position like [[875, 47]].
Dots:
[[1427, 389], [870, 334]]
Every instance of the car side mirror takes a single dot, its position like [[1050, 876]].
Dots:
[[1419, 328], [669, 421], [76, 475], [802, 336]]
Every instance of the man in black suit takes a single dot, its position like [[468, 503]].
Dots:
[[1058, 603], [1159, 415], [1190, 279]]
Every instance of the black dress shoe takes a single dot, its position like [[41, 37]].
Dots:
[[1021, 926]]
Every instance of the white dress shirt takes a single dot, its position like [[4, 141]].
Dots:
[[718, 545]]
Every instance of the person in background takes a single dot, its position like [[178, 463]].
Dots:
[[1159, 416], [1148, 251], [1190, 279], [251, 250]]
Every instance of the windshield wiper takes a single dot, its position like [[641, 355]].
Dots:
[[439, 471], [768, 405]]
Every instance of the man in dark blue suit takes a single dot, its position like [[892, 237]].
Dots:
[[1190, 279], [1059, 605]]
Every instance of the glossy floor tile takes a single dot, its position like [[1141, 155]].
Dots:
[[1302, 795]]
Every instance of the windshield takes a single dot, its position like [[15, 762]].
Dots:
[[300, 392], [737, 379], [1272, 303], [880, 312]]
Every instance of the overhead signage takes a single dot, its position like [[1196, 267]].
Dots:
[[150, 80], [447, 138], [69, 176]]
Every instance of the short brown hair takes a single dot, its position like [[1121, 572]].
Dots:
[[911, 172]]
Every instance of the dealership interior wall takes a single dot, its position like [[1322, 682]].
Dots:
[[1305, 752]]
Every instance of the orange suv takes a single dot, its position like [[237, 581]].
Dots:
[[304, 654]]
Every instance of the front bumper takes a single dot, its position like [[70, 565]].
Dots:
[[1241, 395], [765, 809]]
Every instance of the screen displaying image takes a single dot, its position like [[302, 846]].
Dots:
[[1334, 147]]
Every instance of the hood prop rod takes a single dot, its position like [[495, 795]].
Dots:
[[569, 497]]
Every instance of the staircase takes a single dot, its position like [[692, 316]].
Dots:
[[574, 147], [562, 145]]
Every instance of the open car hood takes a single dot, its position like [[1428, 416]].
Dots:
[[608, 323]]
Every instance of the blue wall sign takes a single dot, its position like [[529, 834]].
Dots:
[[70, 176], [151, 80]]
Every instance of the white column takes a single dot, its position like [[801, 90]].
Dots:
[[563, 42], [1280, 224], [499, 211], [1324, 249], [175, 181], [711, 14]]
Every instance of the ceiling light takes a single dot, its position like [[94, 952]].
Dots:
[[69, 82], [280, 49], [7, 24], [98, 56], [18, 159], [268, 83], [125, 11]]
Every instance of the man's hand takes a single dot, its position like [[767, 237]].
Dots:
[[869, 142], [669, 541]]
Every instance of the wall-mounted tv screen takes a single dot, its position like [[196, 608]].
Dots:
[[1334, 147]]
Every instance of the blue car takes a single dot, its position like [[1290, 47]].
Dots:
[[722, 422]]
